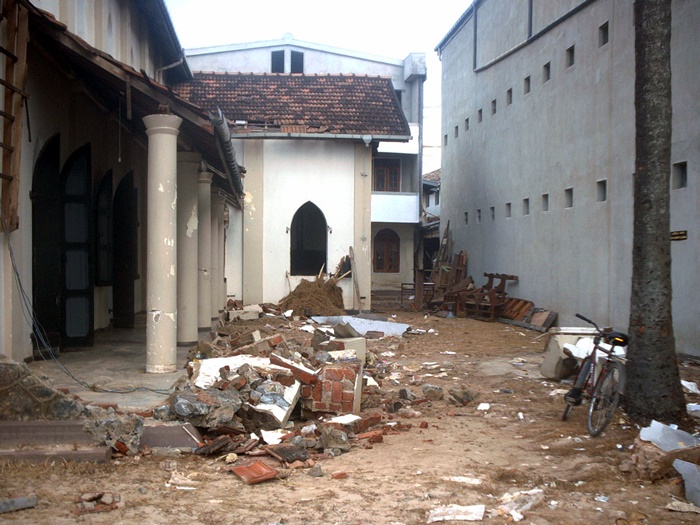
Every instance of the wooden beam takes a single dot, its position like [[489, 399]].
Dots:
[[16, 74]]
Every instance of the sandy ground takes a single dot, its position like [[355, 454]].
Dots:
[[446, 454]]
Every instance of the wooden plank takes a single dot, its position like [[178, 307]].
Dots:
[[16, 74]]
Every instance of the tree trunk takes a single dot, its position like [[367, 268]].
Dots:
[[653, 389]]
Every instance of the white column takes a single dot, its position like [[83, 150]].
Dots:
[[161, 262], [187, 239], [217, 274], [222, 257], [204, 252]]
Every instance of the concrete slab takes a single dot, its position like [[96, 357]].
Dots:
[[44, 432]]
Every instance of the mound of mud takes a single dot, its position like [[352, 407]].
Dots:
[[319, 297]]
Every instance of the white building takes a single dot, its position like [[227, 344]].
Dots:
[[389, 242], [538, 153]]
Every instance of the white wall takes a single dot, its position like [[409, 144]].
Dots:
[[565, 134]]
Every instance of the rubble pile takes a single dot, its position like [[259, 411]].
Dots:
[[318, 297]]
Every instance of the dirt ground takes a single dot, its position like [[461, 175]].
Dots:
[[446, 454]]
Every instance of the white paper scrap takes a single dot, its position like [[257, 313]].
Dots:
[[457, 512]]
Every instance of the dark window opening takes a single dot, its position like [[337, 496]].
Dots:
[[387, 175], [297, 62], [387, 250], [309, 240], [277, 65], [603, 34], [104, 232]]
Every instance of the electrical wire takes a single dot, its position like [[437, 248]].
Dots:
[[41, 339]]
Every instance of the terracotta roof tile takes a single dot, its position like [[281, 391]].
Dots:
[[336, 104]]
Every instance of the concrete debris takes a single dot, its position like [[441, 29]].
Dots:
[[681, 506], [433, 392], [691, 479], [122, 432], [23, 395], [362, 326], [19, 503], [94, 502], [655, 450]]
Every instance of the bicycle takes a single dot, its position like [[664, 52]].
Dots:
[[602, 382]]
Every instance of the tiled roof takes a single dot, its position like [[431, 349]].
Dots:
[[433, 176], [332, 104]]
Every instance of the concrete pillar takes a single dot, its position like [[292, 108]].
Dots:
[[204, 251], [187, 239], [161, 262], [217, 273], [222, 257]]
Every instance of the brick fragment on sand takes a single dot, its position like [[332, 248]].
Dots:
[[339, 475], [374, 436]]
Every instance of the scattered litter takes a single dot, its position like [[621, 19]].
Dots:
[[603, 499], [691, 386], [483, 406], [457, 512], [558, 392], [463, 479]]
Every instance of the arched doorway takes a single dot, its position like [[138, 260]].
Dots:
[[47, 232], [309, 241], [125, 248]]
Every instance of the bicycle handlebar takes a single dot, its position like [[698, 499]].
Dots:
[[585, 319]]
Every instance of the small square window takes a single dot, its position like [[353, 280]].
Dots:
[[480, 115], [546, 72], [569, 197], [545, 202], [444, 140], [679, 175], [508, 209], [570, 57], [601, 191], [526, 206], [493, 106], [478, 215], [509, 96], [526, 85], [277, 62], [456, 131], [603, 34], [297, 62], [466, 124], [492, 209]]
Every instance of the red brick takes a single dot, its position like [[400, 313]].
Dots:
[[349, 374], [347, 407], [363, 424], [335, 407], [374, 436], [319, 406], [275, 340], [348, 396], [318, 391], [336, 393], [305, 391], [339, 475], [299, 373], [333, 374]]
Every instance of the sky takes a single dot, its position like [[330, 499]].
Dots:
[[388, 28]]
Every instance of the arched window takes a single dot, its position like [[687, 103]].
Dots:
[[387, 251], [309, 241]]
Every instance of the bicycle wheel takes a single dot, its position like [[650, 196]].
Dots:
[[606, 396], [585, 368]]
